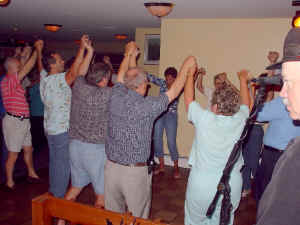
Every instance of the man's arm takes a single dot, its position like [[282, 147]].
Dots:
[[189, 91], [189, 66], [39, 45], [84, 66], [28, 66], [73, 72], [25, 54], [244, 91], [128, 55]]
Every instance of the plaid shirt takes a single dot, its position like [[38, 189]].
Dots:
[[164, 88], [130, 123]]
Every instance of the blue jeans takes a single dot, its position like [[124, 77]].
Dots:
[[59, 165], [251, 154], [166, 121]]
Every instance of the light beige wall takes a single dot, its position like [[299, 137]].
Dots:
[[219, 45], [140, 40]]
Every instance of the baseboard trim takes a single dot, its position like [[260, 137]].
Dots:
[[182, 161]]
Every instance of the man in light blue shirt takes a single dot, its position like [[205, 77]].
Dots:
[[280, 131]]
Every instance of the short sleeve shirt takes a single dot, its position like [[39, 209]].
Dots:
[[56, 96], [130, 123], [215, 136], [89, 112]]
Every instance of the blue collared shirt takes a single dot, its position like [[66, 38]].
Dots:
[[281, 127], [163, 88]]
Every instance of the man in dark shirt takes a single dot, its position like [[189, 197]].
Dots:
[[280, 203], [130, 123]]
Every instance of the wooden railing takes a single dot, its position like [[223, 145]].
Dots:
[[47, 207]]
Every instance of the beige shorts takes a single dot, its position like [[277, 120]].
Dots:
[[16, 133]]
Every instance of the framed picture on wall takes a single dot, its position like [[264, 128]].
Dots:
[[152, 49]]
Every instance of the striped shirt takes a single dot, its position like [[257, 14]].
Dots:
[[13, 96]]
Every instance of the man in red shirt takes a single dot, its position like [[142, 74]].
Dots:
[[16, 125]]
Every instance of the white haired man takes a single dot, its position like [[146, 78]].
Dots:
[[130, 123], [280, 202]]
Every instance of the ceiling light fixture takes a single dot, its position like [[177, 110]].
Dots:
[[52, 27], [159, 9], [121, 36], [4, 3], [296, 20]]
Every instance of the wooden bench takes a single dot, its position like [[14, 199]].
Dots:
[[46, 207]]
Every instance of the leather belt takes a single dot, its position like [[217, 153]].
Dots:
[[139, 164], [19, 117]]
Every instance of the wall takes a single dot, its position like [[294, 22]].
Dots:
[[153, 69], [220, 45]]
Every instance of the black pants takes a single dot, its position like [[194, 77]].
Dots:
[[39, 140], [269, 159]]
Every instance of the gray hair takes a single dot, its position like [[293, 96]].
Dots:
[[97, 73], [8, 61], [134, 77], [226, 99]]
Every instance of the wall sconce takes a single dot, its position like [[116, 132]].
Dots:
[[4, 3], [159, 9], [121, 36], [52, 27]]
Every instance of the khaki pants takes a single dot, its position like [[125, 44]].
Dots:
[[129, 186]]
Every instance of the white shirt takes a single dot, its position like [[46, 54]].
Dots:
[[56, 96]]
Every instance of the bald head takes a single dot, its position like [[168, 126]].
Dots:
[[12, 65]]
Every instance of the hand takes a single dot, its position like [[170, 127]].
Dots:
[[202, 71], [191, 63], [273, 57], [130, 48], [26, 51], [88, 45], [39, 45], [83, 41], [106, 59], [18, 51], [243, 75]]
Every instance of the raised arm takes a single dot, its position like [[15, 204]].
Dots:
[[156, 80], [189, 90], [72, 74], [272, 57], [25, 54], [189, 66], [244, 91], [84, 66], [28, 66], [39, 45], [129, 52], [201, 73]]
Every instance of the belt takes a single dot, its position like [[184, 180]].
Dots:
[[272, 149], [139, 164], [19, 117]]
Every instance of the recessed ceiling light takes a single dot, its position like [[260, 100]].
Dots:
[[52, 27], [121, 36], [4, 3]]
